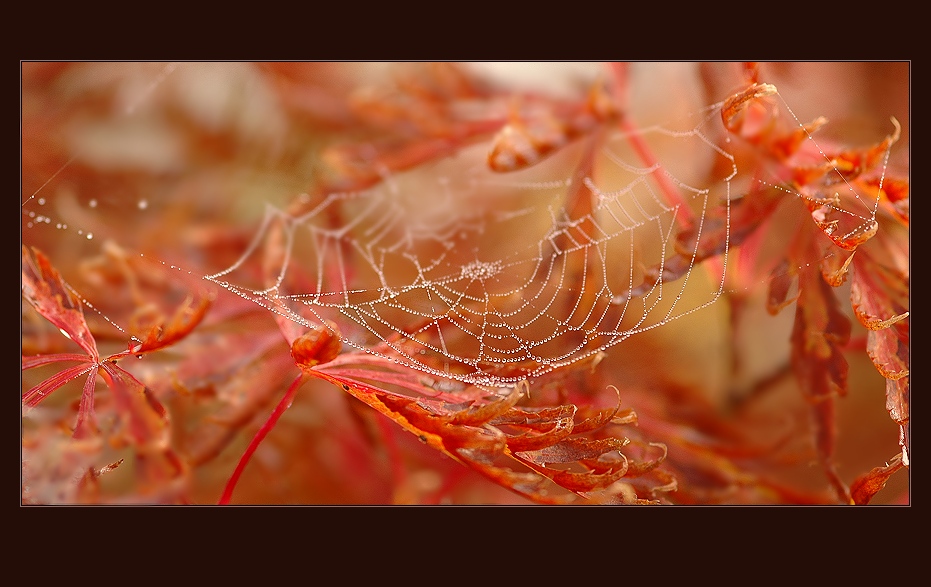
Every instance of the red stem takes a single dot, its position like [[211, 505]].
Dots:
[[283, 405]]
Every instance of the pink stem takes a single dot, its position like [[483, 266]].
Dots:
[[283, 405], [669, 189]]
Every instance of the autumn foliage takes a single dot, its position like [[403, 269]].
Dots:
[[143, 382]]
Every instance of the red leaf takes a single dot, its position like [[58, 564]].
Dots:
[[38, 360], [145, 419], [44, 288], [34, 396], [87, 423]]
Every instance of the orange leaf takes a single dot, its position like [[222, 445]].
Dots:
[[167, 332], [554, 425], [888, 349], [897, 402], [779, 286], [834, 268], [574, 449], [866, 486], [874, 305]]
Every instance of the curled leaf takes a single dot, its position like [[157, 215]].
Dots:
[[736, 106], [866, 486], [318, 345], [834, 268]]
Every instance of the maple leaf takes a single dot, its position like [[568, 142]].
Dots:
[[879, 291], [144, 421], [223, 372]]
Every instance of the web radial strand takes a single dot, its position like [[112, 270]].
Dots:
[[489, 278]]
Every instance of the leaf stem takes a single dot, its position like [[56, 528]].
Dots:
[[280, 409]]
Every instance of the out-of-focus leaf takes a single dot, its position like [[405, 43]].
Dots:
[[147, 430], [779, 287], [144, 418], [820, 331], [742, 112], [168, 331], [866, 486]]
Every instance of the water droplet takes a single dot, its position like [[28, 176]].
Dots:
[[41, 201], [143, 204], [92, 203], [90, 235]]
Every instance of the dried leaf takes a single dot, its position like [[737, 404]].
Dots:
[[489, 411], [875, 295], [834, 268], [865, 487], [574, 449], [889, 349], [897, 403], [740, 106]]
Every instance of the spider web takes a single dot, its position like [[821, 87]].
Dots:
[[489, 278]]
